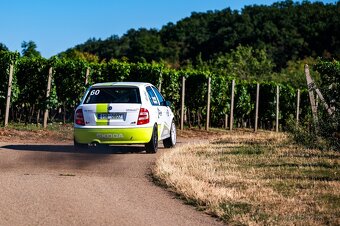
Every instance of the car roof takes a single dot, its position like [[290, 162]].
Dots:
[[110, 84]]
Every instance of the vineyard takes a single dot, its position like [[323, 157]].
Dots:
[[71, 78]]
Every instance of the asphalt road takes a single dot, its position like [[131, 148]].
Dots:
[[50, 184]]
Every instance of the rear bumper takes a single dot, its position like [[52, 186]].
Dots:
[[113, 135]]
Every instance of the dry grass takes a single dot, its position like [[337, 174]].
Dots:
[[256, 179], [33, 133]]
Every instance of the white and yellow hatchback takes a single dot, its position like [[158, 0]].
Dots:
[[124, 113]]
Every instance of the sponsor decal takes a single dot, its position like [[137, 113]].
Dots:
[[132, 109], [109, 135]]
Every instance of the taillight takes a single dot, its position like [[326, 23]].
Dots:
[[79, 117], [143, 117]]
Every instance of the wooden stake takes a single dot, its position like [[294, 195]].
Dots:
[[182, 105], [87, 76], [298, 106], [208, 104], [311, 85], [48, 95], [232, 106], [277, 108], [9, 93], [160, 82], [257, 106]]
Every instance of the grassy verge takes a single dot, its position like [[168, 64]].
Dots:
[[55, 131], [247, 178]]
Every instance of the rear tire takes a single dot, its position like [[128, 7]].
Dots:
[[170, 142], [152, 146]]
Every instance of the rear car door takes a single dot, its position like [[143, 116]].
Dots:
[[163, 114]]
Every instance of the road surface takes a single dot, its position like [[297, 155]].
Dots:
[[50, 184]]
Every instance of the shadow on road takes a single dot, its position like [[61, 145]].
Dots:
[[111, 161], [70, 149]]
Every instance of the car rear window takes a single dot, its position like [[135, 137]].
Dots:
[[113, 95]]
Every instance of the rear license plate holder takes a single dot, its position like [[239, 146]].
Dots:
[[111, 116]]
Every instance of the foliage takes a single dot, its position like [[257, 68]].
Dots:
[[7, 59], [286, 31], [68, 86], [32, 75], [3, 47], [220, 98], [243, 102], [112, 71], [196, 91], [69, 77], [245, 63], [330, 86], [144, 45], [330, 81], [294, 74], [85, 56], [303, 133], [325, 133], [171, 86], [29, 49]]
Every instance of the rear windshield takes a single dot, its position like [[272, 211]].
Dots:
[[113, 95]]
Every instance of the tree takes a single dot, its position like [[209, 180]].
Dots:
[[78, 55], [144, 45], [3, 47], [245, 63], [287, 30], [29, 49]]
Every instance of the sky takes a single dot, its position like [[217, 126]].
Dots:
[[56, 25]]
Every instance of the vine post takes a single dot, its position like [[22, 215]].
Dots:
[[298, 106], [48, 90], [87, 76], [277, 108], [9, 92], [226, 121], [160, 82], [182, 104], [310, 85], [232, 106], [208, 104], [257, 106]]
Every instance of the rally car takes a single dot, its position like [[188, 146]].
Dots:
[[124, 113]]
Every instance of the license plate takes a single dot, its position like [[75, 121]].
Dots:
[[111, 116]]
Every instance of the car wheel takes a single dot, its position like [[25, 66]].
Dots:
[[152, 146], [79, 147], [171, 141]]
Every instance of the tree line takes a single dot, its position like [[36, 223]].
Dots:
[[286, 31]]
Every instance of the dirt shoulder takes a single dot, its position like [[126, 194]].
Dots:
[[61, 134]]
